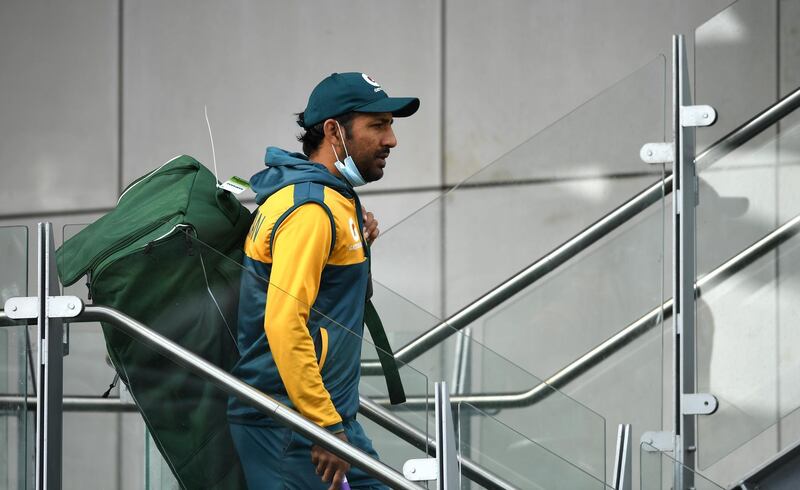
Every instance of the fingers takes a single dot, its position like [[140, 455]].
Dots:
[[338, 478], [315, 457], [329, 473], [371, 230], [372, 235], [319, 459], [329, 467], [334, 472]]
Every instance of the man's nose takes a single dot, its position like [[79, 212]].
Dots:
[[390, 140]]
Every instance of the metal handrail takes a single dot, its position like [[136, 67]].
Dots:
[[585, 238], [367, 407], [232, 386], [82, 404], [373, 410], [5, 321], [623, 337]]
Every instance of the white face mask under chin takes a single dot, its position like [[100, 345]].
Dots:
[[347, 168]]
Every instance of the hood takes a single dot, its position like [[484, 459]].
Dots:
[[285, 168]]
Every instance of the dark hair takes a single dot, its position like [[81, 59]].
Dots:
[[313, 136]]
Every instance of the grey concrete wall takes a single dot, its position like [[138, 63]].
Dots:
[[95, 93]]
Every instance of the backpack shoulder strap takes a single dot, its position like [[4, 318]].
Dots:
[[389, 364]]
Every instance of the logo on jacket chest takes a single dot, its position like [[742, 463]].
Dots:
[[356, 237]]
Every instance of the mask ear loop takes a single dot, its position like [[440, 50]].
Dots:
[[341, 136], [334, 152]]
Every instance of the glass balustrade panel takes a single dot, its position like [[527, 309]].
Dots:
[[17, 360], [595, 328], [513, 213], [745, 326], [745, 60], [512, 396], [527, 202], [519, 461]]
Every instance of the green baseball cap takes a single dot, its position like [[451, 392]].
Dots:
[[341, 93]]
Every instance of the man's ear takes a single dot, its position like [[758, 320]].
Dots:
[[331, 131]]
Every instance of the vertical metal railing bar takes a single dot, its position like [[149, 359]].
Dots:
[[49, 369], [684, 299], [677, 477]]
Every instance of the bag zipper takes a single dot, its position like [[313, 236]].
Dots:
[[144, 177], [91, 273]]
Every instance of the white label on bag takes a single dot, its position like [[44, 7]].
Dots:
[[235, 184]]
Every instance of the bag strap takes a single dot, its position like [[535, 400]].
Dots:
[[394, 384]]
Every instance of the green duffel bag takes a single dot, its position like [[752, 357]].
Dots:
[[147, 259]]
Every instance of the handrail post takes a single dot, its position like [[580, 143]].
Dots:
[[49, 309], [623, 467], [49, 369], [444, 467], [686, 117]]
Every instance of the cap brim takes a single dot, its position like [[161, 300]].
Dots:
[[398, 106]]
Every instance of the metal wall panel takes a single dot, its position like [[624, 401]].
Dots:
[[512, 71], [58, 105], [254, 63]]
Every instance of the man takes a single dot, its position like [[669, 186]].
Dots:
[[301, 309]]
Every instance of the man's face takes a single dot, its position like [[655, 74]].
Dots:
[[369, 140]]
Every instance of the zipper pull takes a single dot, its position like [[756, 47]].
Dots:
[[148, 248]]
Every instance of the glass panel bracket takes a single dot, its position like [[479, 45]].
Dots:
[[695, 116], [660, 441], [690, 116], [699, 403], [657, 153], [27, 308]]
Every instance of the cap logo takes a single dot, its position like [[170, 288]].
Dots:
[[369, 80]]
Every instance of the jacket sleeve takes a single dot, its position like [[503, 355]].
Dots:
[[300, 250]]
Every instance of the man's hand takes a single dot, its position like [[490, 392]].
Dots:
[[371, 230], [330, 467]]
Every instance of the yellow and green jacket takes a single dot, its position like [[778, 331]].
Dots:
[[301, 309]]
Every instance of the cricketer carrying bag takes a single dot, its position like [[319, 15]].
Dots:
[[141, 259]]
